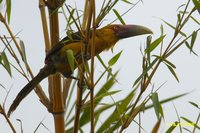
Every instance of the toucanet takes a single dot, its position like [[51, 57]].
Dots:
[[56, 60]]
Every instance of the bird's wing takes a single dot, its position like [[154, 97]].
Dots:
[[75, 37]]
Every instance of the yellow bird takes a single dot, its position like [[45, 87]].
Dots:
[[56, 60]]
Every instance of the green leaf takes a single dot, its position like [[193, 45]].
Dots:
[[105, 67], [194, 104], [157, 105], [167, 100], [128, 2], [139, 108], [173, 72], [189, 47], [116, 114], [70, 58], [145, 72], [183, 34], [170, 63], [179, 17], [119, 16], [197, 5], [190, 122], [85, 118], [97, 99], [70, 18], [0, 58], [172, 127], [5, 63], [194, 36], [114, 59], [22, 46], [161, 30], [149, 38], [155, 43], [195, 20], [8, 9]]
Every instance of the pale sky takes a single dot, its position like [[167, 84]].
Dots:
[[26, 18]]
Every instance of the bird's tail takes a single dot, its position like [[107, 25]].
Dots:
[[44, 72]]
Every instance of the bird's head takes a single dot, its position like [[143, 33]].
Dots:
[[115, 32], [125, 31]]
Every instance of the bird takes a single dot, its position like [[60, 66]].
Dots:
[[57, 62]]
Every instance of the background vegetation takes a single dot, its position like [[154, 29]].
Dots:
[[111, 109]]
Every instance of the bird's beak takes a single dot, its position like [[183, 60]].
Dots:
[[126, 31]]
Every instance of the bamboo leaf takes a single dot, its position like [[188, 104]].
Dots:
[[22, 46], [105, 67], [189, 47], [157, 105], [116, 114], [119, 16], [183, 34], [166, 100], [179, 17], [138, 108], [172, 127], [70, 58], [96, 99], [194, 104], [109, 70], [145, 72], [170, 63], [172, 72], [190, 122], [5, 63], [128, 2], [193, 39], [197, 5], [133, 114], [195, 20], [149, 38], [85, 118], [114, 59], [161, 30], [155, 43], [8, 9], [1, 58], [70, 18]]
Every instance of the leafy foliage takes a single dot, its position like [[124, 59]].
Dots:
[[120, 113]]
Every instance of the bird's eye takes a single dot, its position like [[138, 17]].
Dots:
[[115, 27]]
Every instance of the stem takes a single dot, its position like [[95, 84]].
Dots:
[[55, 87], [59, 123], [78, 104], [44, 25], [92, 68], [6, 117]]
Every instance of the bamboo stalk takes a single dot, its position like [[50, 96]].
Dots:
[[44, 25], [92, 68], [55, 87], [81, 72]]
